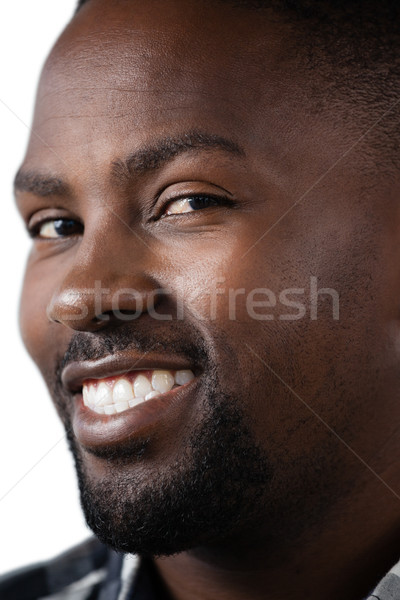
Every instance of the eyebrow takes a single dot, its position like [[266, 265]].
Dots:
[[39, 184], [146, 159], [155, 156]]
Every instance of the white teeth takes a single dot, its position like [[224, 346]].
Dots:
[[92, 395], [151, 395], [122, 391], [162, 381], [103, 395], [135, 402], [121, 406], [142, 386], [85, 395], [107, 398], [182, 377]]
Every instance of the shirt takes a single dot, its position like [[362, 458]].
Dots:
[[91, 571]]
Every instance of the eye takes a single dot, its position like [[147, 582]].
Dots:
[[193, 203], [51, 229]]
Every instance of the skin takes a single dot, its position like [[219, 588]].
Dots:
[[321, 396]]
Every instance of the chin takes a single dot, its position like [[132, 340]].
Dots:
[[200, 497]]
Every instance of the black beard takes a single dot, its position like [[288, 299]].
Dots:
[[216, 484], [209, 493]]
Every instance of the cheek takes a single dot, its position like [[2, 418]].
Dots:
[[38, 333], [230, 291], [213, 289], [210, 274]]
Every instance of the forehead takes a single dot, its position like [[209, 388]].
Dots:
[[138, 70], [131, 34]]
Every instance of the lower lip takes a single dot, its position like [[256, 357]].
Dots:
[[95, 431]]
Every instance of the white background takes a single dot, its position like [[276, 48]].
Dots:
[[39, 505]]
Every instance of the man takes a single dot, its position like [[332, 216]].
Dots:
[[213, 297]]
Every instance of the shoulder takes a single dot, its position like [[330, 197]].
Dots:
[[73, 574]]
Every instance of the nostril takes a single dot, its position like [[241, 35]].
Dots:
[[101, 318], [115, 315]]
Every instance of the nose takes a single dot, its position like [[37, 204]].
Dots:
[[104, 282]]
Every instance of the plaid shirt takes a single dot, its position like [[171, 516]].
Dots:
[[93, 572]]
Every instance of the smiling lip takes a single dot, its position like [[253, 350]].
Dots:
[[94, 431], [76, 373]]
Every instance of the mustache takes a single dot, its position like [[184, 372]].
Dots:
[[85, 346]]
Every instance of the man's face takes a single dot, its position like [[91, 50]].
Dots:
[[178, 170]]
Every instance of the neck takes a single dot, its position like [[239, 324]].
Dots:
[[344, 558]]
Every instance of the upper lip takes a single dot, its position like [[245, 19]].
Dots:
[[76, 373]]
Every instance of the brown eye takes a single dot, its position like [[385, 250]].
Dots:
[[57, 228], [191, 204]]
